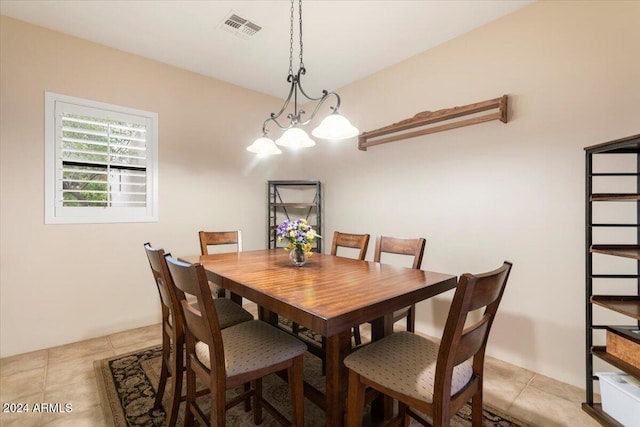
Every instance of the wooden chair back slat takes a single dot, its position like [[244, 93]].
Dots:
[[393, 245], [486, 290], [354, 241], [212, 238], [471, 340]]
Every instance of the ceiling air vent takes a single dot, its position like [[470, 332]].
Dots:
[[239, 26]]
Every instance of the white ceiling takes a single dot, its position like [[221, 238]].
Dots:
[[344, 40]]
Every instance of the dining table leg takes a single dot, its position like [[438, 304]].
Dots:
[[338, 347]]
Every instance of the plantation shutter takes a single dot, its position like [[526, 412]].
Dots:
[[102, 164]]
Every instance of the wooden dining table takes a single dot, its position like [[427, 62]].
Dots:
[[329, 295]]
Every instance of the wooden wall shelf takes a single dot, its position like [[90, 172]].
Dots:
[[601, 352], [626, 251], [629, 305], [426, 118], [614, 197]]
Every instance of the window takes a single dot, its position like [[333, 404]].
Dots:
[[100, 162]]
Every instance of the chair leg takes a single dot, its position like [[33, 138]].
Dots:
[[411, 319], [191, 395], [164, 374], [296, 390], [403, 415], [218, 407], [177, 369], [324, 357], [476, 409], [356, 335], [247, 402], [164, 370], [257, 401], [222, 292], [355, 400]]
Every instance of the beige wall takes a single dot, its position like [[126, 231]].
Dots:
[[494, 191], [479, 195], [64, 283]]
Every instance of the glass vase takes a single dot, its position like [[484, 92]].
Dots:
[[298, 256]]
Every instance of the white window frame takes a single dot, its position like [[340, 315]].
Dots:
[[55, 212]]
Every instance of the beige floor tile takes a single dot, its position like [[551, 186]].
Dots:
[[23, 362], [133, 348], [69, 371], [250, 307], [21, 420], [22, 384], [91, 417], [499, 370], [503, 382], [499, 393], [82, 396], [557, 388], [79, 349], [548, 410], [26, 418], [142, 337]]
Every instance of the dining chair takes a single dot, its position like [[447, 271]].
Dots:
[[226, 358], [402, 247], [434, 379], [219, 238], [173, 331]]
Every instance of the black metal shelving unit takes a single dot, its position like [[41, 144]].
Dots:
[[626, 152], [291, 200]]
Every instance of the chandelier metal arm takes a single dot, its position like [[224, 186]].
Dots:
[[274, 116], [321, 101], [296, 116]]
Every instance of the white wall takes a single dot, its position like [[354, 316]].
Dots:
[[479, 194]]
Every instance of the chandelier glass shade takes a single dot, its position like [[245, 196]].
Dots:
[[333, 127], [264, 146], [295, 138]]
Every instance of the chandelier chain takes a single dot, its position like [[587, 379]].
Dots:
[[291, 41], [301, 47]]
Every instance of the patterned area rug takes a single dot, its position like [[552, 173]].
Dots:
[[127, 386]]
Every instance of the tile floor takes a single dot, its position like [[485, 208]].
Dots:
[[65, 375]]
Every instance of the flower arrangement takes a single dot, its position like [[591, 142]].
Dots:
[[298, 233]]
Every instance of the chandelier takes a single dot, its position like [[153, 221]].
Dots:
[[333, 127]]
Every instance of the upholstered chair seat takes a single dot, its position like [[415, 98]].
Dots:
[[251, 346], [413, 359], [230, 313]]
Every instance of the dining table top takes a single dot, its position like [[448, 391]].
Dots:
[[329, 294]]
